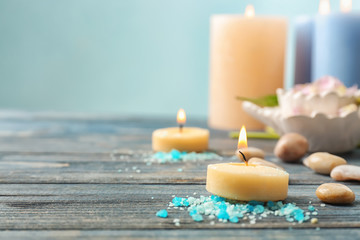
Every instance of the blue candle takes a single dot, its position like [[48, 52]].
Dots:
[[303, 41], [336, 47]]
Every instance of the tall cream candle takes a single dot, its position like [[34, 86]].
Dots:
[[246, 59]]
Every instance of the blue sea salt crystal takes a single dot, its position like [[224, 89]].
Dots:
[[292, 212], [215, 198], [259, 209], [287, 209], [215, 206], [298, 214], [279, 204], [185, 202], [159, 155], [223, 214], [191, 200], [162, 213], [222, 206], [249, 208], [201, 209], [192, 212], [311, 208], [270, 204], [180, 202], [197, 217], [299, 217], [175, 154], [234, 219], [254, 203], [177, 201]]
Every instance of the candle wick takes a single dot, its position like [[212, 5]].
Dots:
[[181, 127], [246, 162]]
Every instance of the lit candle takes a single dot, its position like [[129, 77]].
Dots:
[[244, 153], [248, 181], [181, 138], [253, 182], [246, 59]]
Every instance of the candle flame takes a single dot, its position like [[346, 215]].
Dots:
[[324, 7], [181, 117], [242, 138], [345, 5], [249, 11]]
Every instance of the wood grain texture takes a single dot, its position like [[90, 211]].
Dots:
[[129, 206], [210, 234], [85, 177], [124, 166]]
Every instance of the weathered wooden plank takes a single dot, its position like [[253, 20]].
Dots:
[[231, 234], [40, 134], [118, 206], [42, 149], [126, 167]]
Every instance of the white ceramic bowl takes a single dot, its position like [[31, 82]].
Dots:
[[325, 133]]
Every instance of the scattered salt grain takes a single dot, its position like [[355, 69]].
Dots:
[[236, 212], [197, 217], [162, 213], [177, 156], [177, 222]]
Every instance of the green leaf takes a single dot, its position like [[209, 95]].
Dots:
[[266, 101], [269, 133]]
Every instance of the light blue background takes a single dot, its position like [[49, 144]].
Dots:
[[130, 57]]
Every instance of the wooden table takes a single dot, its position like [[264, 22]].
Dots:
[[60, 178]]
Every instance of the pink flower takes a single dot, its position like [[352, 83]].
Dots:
[[325, 84]]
